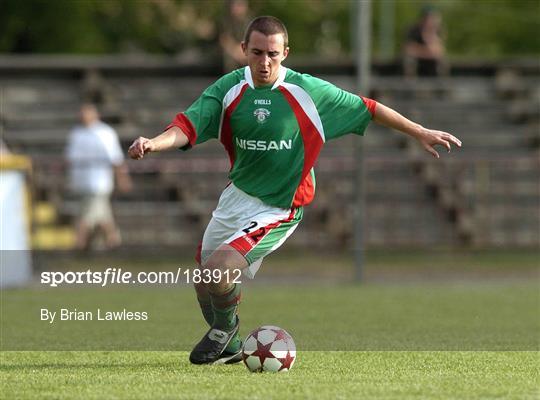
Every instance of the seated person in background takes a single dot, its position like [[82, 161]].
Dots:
[[424, 47]]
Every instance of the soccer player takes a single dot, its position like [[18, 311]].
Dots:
[[273, 122]]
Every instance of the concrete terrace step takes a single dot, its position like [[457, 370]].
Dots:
[[40, 92]]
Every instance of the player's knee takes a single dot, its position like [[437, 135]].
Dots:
[[214, 267], [211, 264], [220, 287], [220, 261]]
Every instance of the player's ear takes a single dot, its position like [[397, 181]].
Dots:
[[244, 47], [285, 53]]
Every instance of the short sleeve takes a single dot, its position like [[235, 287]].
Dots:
[[341, 112], [205, 114], [201, 121], [106, 137], [114, 150]]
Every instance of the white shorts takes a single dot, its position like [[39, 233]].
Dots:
[[96, 209], [250, 226]]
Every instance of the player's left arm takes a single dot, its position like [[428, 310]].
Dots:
[[428, 138]]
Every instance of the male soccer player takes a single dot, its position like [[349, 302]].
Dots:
[[273, 123]]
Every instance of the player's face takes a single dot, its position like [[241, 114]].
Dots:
[[264, 55]]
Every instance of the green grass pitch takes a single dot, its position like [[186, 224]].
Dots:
[[316, 375], [381, 341]]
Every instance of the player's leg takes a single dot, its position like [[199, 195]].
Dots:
[[225, 297], [215, 296], [224, 292], [243, 230], [203, 298], [262, 234], [215, 234], [231, 354], [217, 231]]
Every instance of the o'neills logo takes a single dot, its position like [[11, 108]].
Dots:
[[263, 145], [261, 114]]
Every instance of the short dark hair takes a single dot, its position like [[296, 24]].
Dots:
[[267, 25]]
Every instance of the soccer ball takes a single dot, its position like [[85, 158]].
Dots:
[[269, 348]]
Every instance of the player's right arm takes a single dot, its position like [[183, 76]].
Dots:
[[199, 123], [173, 137]]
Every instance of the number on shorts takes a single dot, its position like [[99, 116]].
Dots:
[[252, 225], [259, 234]]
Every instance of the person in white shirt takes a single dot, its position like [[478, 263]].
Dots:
[[95, 157]]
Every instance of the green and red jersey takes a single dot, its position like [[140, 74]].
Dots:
[[273, 134]]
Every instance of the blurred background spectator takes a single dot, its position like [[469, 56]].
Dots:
[[424, 46], [236, 17], [95, 159]]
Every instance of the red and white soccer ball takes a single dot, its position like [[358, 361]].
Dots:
[[269, 348]]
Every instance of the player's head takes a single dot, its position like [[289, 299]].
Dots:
[[267, 25], [88, 114], [265, 46]]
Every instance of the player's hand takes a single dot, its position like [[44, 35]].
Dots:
[[430, 138], [140, 147]]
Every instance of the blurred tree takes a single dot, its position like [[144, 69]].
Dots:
[[312, 24], [43, 26], [493, 27], [94, 26], [482, 28]]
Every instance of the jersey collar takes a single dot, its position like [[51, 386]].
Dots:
[[279, 81], [281, 77]]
